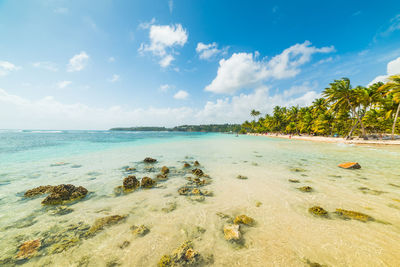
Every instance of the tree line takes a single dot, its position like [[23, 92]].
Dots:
[[341, 111]]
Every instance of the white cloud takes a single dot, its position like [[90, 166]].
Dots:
[[63, 84], [392, 68], [208, 51], [166, 61], [243, 70], [170, 5], [78, 62], [61, 10], [47, 65], [47, 113], [7, 67], [164, 87], [163, 38], [181, 94], [111, 59], [114, 78], [146, 25]]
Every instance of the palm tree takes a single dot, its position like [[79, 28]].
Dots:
[[255, 113], [393, 87], [342, 96]]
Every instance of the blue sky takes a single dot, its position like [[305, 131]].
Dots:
[[101, 64]]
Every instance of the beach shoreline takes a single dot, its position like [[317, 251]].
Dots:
[[330, 139]]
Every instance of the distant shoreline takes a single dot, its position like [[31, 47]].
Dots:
[[331, 139]]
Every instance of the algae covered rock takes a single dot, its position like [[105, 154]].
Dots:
[[184, 255], [348, 214], [100, 223], [196, 163], [130, 169], [350, 165], [65, 193], [164, 170], [184, 191], [231, 232], [162, 176], [140, 230], [243, 219], [242, 177], [197, 172], [186, 165], [130, 182], [147, 182], [165, 261], [294, 181], [40, 190], [318, 211], [28, 249], [305, 189], [149, 160]]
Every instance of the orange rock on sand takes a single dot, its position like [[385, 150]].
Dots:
[[350, 165]]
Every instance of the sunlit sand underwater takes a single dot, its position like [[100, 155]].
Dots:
[[284, 232]]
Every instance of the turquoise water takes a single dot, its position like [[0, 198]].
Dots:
[[285, 233]]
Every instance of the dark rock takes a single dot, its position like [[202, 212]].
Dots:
[[197, 172], [196, 163], [43, 189], [305, 189], [149, 160], [164, 170], [186, 165], [242, 177], [318, 211]]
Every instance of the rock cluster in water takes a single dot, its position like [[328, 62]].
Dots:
[[184, 255], [58, 194], [149, 160]]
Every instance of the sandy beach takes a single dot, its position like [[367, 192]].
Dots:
[[358, 141]]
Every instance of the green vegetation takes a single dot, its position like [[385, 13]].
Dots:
[[220, 128], [342, 111]]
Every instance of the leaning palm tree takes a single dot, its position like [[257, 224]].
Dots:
[[342, 96], [393, 87], [255, 113]]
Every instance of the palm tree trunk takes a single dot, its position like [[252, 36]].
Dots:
[[352, 129], [358, 118], [395, 119]]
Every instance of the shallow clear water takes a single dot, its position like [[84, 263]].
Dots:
[[285, 233]]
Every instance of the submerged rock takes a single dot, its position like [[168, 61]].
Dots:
[[348, 214], [100, 223], [258, 204], [140, 230], [164, 170], [184, 191], [231, 232], [243, 219], [124, 244], [40, 190], [318, 211], [196, 163], [65, 193], [350, 165], [147, 182], [305, 189], [184, 255], [62, 210], [186, 165], [297, 170], [130, 183], [366, 190], [171, 206], [149, 160], [294, 181], [28, 249], [130, 169], [241, 177], [162, 176], [197, 172]]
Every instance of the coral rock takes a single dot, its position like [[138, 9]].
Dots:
[[305, 189], [243, 219], [164, 170], [130, 183], [318, 211], [43, 189], [140, 230], [231, 232], [348, 214], [350, 165], [64, 193], [242, 177], [198, 172], [100, 223], [28, 249], [147, 182]]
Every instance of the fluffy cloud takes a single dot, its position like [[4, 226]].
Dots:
[[392, 68], [47, 113], [163, 38], [114, 78], [46, 65], [63, 84], [164, 87], [78, 62], [243, 70], [208, 51], [181, 94], [7, 67]]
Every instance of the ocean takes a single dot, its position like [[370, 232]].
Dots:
[[284, 232]]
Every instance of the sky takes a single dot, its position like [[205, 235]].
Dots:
[[103, 64]]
